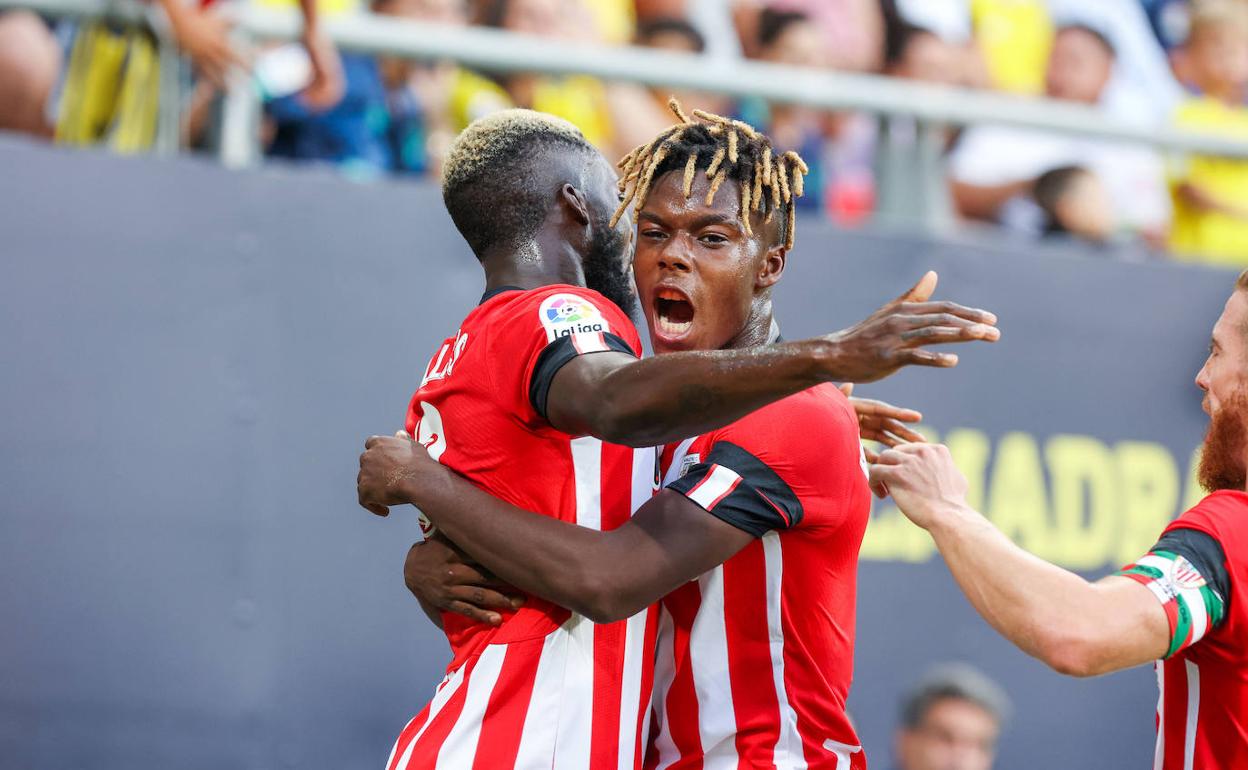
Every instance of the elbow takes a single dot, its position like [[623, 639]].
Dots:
[[602, 600], [618, 422], [1073, 653]]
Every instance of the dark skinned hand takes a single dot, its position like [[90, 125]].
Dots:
[[441, 576], [894, 335], [387, 464], [882, 422]]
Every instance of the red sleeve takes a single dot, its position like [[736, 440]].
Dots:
[[786, 465], [540, 331]]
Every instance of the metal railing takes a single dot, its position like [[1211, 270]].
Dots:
[[911, 186]]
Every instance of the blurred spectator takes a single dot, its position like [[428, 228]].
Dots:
[[951, 721], [791, 38], [1211, 194], [1014, 37], [614, 21], [993, 168], [915, 53], [427, 103], [30, 63], [1075, 204], [1143, 89], [712, 18], [1169, 20], [638, 113], [948, 19], [344, 134], [580, 100], [850, 32], [838, 148]]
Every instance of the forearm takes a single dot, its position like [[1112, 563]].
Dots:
[[310, 19], [1199, 199], [559, 562], [671, 397], [984, 201], [176, 11], [1048, 612]]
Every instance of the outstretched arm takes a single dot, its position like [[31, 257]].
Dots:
[[622, 400], [1074, 626], [605, 576]]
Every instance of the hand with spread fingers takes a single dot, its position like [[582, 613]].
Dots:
[[882, 422], [895, 335]]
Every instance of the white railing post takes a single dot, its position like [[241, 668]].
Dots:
[[240, 117]]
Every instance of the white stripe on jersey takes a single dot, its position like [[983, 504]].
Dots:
[[843, 751], [788, 751], [644, 469], [664, 674], [444, 693], [630, 691], [1193, 713], [460, 746], [708, 652], [587, 468], [714, 487], [541, 721], [576, 725], [1159, 756]]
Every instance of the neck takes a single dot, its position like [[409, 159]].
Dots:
[[759, 330], [540, 261]]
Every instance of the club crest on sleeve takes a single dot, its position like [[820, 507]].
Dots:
[[563, 315], [687, 463], [1185, 575]]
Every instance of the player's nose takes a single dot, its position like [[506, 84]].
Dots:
[[1202, 377], [675, 258]]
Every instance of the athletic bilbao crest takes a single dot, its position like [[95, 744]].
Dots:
[[687, 463], [1184, 575]]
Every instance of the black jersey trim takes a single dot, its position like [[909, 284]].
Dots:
[[758, 503], [553, 358], [492, 293], [1205, 554]]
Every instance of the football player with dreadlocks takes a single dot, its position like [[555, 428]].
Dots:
[[765, 515]]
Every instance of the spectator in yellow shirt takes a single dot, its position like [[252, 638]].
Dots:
[[1211, 194], [579, 100], [1015, 37]]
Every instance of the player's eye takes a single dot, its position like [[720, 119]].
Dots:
[[653, 234], [713, 239]]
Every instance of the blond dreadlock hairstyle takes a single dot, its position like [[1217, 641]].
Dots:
[[724, 149]]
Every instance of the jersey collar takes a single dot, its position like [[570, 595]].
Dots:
[[492, 293]]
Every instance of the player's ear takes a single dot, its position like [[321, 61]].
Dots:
[[573, 201], [772, 267]]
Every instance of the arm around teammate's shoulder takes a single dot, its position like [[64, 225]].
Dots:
[[666, 398]]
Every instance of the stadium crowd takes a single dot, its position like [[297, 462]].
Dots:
[[1147, 62]]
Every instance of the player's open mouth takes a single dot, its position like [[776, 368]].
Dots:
[[673, 312]]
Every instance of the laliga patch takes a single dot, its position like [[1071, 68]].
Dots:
[[563, 315]]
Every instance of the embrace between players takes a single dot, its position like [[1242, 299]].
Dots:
[[693, 606]]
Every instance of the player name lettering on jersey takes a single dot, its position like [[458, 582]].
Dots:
[[441, 366]]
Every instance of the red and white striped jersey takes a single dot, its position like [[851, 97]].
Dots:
[[755, 658], [546, 688], [1199, 571]]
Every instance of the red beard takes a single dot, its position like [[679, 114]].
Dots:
[[1222, 457]]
